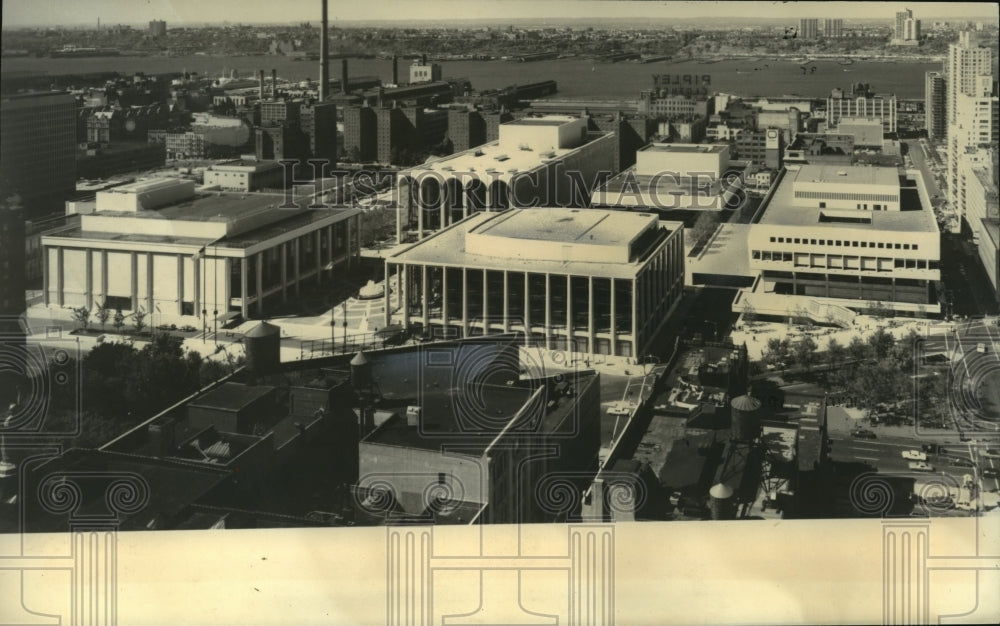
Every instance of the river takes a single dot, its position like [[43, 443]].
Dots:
[[576, 78]]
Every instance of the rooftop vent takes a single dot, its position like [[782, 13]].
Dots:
[[501, 157]]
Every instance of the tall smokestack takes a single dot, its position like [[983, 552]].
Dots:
[[324, 70], [261, 85], [395, 70], [343, 75], [274, 84], [423, 59]]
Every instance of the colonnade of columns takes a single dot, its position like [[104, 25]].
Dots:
[[581, 313]]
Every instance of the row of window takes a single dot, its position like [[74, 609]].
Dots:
[[843, 195], [837, 261], [844, 243]]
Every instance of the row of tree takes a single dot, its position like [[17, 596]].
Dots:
[[103, 313], [880, 346]]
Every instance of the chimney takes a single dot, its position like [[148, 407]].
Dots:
[[395, 70], [381, 93], [343, 75], [594, 511], [261, 85], [274, 84], [423, 59], [324, 70]]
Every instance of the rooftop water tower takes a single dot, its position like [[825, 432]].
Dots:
[[263, 346], [745, 423], [721, 502]]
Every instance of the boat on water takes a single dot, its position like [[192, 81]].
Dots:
[[77, 52]]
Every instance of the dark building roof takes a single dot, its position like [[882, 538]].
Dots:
[[162, 489], [231, 396]]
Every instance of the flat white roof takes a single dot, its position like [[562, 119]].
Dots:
[[491, 156], [783, 209], [546, 120], [244, 166], [449, 247], [145, 186], [847, 175], [698, 148], [577, 226]]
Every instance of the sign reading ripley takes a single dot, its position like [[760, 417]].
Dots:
[[687, 84]]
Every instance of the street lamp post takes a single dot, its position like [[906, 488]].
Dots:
[[344, 309]]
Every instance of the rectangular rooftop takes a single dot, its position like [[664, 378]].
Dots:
[[684, 147], [784, 209], [582, 242]]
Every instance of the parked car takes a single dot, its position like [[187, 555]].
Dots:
[[932, 448], [990, 472], [991, 453], [920, 466], [863, 434], [961, 462], [914, 455], [675, 499]]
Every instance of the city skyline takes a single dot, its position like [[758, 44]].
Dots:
[[506, 312], [22, 13]]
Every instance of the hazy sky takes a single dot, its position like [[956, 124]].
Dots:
[[77, 12]]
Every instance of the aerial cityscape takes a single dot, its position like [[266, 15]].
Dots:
[[311, 269]]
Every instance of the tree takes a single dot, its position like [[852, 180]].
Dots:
[[81, 315], [778, 351], [749, 313], [805, 352], [119, 320], [102, 314], [932, 396], [704, 226], [881, 343], [904, 350], [835, 352], [444, 148], [139, 318], [858, 349]]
